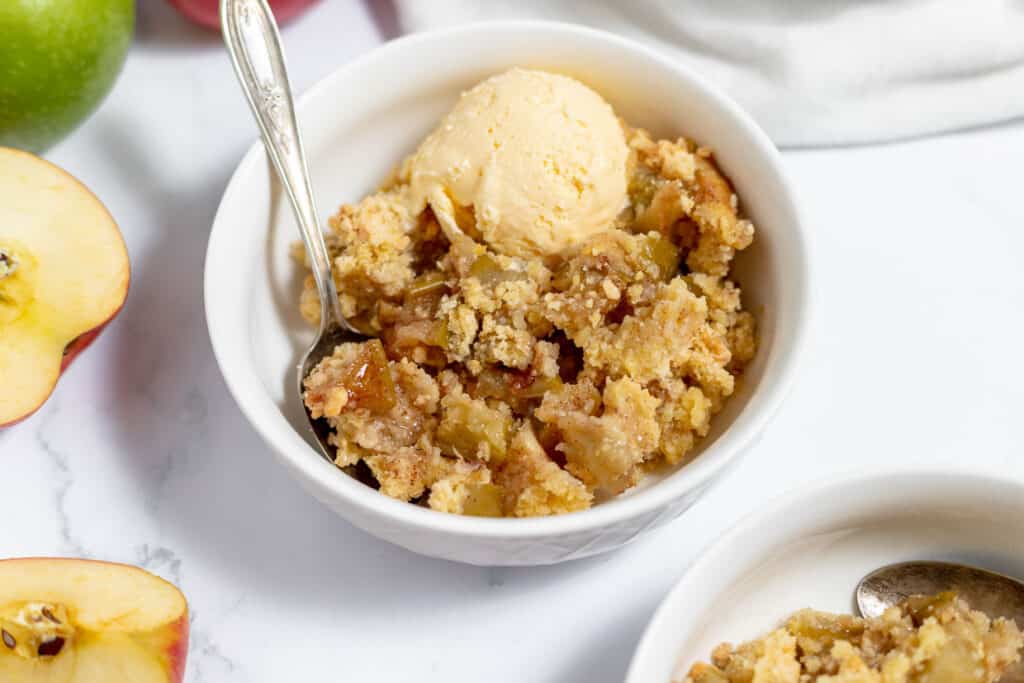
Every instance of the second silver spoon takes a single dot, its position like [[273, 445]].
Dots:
[[994, 594]]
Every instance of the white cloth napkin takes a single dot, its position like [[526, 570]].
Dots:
[[813, 72]]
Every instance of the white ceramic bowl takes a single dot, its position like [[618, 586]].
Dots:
[[811, 547], [363, 119]]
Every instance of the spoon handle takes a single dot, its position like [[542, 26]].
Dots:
[[254, 44]]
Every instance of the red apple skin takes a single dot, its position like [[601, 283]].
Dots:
[[177, 653], [207, 12], [84, 341], [71, 352], [80, 343]]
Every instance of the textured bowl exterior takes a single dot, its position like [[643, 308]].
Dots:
[[486, 550], [403, 88]]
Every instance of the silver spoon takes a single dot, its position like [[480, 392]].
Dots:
[[254, 44], [994, 594]]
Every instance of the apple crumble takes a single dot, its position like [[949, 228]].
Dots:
[[501, 382], [935, 639]]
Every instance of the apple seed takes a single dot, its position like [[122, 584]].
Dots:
[[49, 615], [51, 648], [9, 640], [8, 264]]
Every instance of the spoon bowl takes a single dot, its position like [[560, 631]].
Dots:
[[327, 339], [994, 594]]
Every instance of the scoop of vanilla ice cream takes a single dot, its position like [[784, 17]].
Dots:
[[541, 159]]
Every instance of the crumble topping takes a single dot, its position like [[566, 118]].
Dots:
[[509, 386], [934, 639]]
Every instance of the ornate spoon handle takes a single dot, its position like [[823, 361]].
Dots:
[[254, 44]]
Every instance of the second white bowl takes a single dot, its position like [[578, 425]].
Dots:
[[812, 546]]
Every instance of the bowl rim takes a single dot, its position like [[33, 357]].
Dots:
[[691, 477], [722, 551]]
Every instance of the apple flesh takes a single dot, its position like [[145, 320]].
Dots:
[[63, 275], [80, 621]]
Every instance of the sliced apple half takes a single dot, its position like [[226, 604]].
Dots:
[[79, 621], [63, 275]]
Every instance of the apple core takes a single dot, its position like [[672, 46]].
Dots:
[[7, 264], [16, 290], [35, 629]]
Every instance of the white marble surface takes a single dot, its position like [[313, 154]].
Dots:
[[140, 456]]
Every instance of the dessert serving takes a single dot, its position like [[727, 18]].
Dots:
[[925, 639], [549, 298]]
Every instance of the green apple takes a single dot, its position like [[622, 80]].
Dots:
[[58, 60]]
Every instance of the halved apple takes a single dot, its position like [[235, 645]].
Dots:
[[80, 621], [63, 275]]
